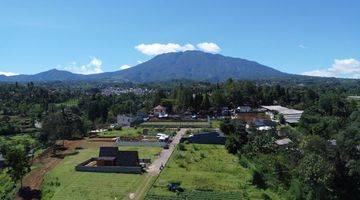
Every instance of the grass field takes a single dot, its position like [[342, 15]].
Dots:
[[70, 102], [174, 124], [132, 132], [206, 171], [64, 183], [126, 132]]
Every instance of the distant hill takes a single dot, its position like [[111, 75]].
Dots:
[[190, 65], [47, 76]]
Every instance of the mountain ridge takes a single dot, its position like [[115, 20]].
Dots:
[[192, 65]]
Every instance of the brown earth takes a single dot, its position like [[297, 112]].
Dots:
[[47, 160]]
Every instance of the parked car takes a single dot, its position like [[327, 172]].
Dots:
[[175, 187]]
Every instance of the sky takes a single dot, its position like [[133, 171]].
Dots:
[[320, 38]]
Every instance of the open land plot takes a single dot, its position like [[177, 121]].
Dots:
[[206, 172], [126, 132], [63, 182], [175, 124], [134, 132]]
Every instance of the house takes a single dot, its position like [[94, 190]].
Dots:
[[159, 111], [282, 142], [111, 156], [112, 160], [242, 109], [206, 138], [291, 116], [124, 120]]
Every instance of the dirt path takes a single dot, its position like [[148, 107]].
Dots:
[[45, 163], [154, 168]]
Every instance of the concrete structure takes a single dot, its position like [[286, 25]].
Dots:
[[291, 115], [124, 120]]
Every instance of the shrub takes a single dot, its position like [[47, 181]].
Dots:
[[258, 179], [182, 147]]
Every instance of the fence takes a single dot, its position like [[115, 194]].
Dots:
[[109, 169], [141, 143]]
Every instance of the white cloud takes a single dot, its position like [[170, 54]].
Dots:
[[208, 47], [157, 48], [139, 61], [8, 73], [319, 72], [93, 67], [344, 68], [302, 46], [122, 67]]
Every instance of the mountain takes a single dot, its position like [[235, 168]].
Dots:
[[47, 76], [197, 65], [190, 65]]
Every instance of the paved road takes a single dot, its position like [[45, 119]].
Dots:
[[154, 168], [166, 153]]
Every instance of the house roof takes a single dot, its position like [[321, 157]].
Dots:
[[128, 158], [108, 152], [290, 115], [160, 107], [283, 141]]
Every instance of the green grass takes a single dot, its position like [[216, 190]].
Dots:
[[63, 182], [215, 123], [128, 132], [70, 102], [132, 132], [174, 124], [207, 168]]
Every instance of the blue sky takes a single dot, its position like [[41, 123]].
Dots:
[[87, 36]]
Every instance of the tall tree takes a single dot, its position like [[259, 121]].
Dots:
[[18, 162]]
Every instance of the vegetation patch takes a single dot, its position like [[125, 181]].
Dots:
[[63, 182], [206, 172]]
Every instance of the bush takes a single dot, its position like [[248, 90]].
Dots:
[[182, 147], [28, 193], [258, 179]]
